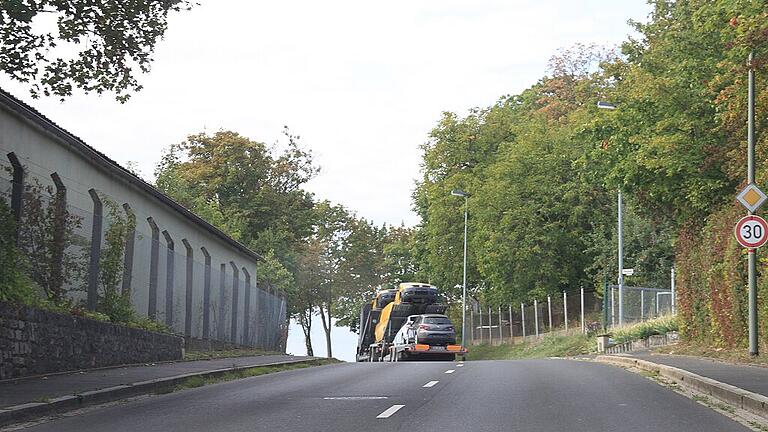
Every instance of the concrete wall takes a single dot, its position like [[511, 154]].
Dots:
[[43, 148], [37, 342]]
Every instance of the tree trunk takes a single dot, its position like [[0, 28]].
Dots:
[[305, 321], [327, 327]]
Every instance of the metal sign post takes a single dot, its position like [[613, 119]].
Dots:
[[621, 264], [753, 349]]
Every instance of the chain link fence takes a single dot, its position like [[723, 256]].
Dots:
[[567, 313]]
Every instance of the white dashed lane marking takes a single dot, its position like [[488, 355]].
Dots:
[[450, 371], [389, 411], [430, 384], [460, 365]]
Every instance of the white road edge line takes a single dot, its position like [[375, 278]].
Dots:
[[449, 371], [389, 411], [430, 384]]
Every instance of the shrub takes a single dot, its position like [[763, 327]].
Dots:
[[657, 326], [15, 287]]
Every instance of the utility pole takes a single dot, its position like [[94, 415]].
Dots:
[[753, 348], [621, 265], [460, 193]]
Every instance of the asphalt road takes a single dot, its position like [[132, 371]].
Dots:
[[531, 395]]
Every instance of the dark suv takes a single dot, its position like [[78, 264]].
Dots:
[[431, 329], [425, 294]]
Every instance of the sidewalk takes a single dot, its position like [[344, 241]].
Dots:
[[750, 378], [741, 386], [42, 389]]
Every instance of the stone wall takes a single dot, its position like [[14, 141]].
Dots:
[[35, 342]]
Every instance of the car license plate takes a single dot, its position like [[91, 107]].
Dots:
[[437, 348]]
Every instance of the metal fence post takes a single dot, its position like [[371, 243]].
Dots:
[[565, 310], [522, 318], [511, 331], [549, 311], [95, 255], [642, 305], [170, 269], [471, 326], [480, 311], [605, 305], [501, 329], [613, 309], [490, 320], [583, 325], [536, 316], [153, 269]]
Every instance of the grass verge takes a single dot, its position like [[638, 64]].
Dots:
[[198, 381], [207, 355], [547, 346]]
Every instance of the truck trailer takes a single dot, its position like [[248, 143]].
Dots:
[[384, 317]]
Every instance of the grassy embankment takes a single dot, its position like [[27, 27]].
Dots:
[[207, 355], [547, 346], [571, 345]]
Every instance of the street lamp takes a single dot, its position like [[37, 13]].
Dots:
[[461, 193], [611, 106]]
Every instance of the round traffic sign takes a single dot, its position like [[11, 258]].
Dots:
[[752, 231]]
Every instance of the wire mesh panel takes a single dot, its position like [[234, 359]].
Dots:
[[639, 304], [270, 317], [263, 307]]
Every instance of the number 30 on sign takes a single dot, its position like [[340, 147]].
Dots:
[[752, 231]]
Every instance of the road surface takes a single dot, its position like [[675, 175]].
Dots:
[[527, 395]]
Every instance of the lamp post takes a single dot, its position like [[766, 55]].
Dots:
[[611, 106], [461, 193]]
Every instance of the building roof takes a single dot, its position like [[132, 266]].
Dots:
[[38, 120]]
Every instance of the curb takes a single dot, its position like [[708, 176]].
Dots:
[[29, 411], [746, 400]]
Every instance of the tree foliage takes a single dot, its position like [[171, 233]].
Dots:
[[95, 46], [543, 168]]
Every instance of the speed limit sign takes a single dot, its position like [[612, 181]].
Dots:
[[752, 231]]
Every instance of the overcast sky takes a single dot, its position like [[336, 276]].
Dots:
[[361, 82]]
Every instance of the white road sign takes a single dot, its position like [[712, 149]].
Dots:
[[628, 272], [751, 197], [752, 231]]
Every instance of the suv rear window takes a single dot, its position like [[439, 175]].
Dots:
[[437, 320]]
